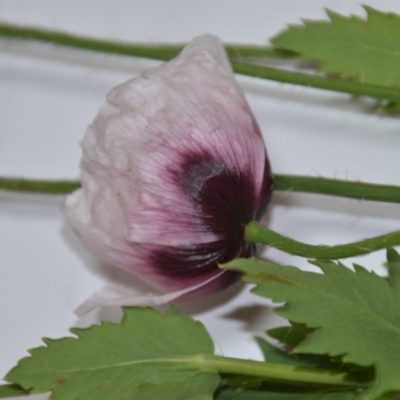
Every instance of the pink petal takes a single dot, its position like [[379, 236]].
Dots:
[[173, 167]]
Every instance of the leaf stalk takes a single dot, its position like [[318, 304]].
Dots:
[[276, 372], [226, 365]]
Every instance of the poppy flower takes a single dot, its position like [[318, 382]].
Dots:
[[173, 167]]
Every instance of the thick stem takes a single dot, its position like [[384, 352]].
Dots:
[[276, 372], [282, 373], [163, 52], [255, 233]]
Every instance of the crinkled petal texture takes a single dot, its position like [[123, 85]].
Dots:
[[173, 167]]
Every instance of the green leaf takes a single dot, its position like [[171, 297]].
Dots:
[[148, 356], [355, 314], [362, 50], [293, 335]]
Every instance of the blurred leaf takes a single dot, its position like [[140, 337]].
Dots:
[[12, 391]]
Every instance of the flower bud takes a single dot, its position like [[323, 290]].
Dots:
[[173, 168]]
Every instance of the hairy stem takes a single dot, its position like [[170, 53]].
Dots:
[[317, 81], [156, 51], [236, 52], [255, 233], [334, 187]]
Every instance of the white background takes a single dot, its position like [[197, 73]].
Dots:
[[48, 97]]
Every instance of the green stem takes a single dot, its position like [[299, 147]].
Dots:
[[275, 372], [166, 52], [12, 391], [38, 186], [157, 52], [255, 233], [334, 187], [317, 81]]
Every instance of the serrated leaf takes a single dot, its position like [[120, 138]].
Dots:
[[293, 335], [148, 356], [290, 335], [355, 314], [275, 355], [362, 50]]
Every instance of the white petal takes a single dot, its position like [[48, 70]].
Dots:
[[117, 294]]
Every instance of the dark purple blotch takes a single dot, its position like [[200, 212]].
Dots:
[[226, 200]]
